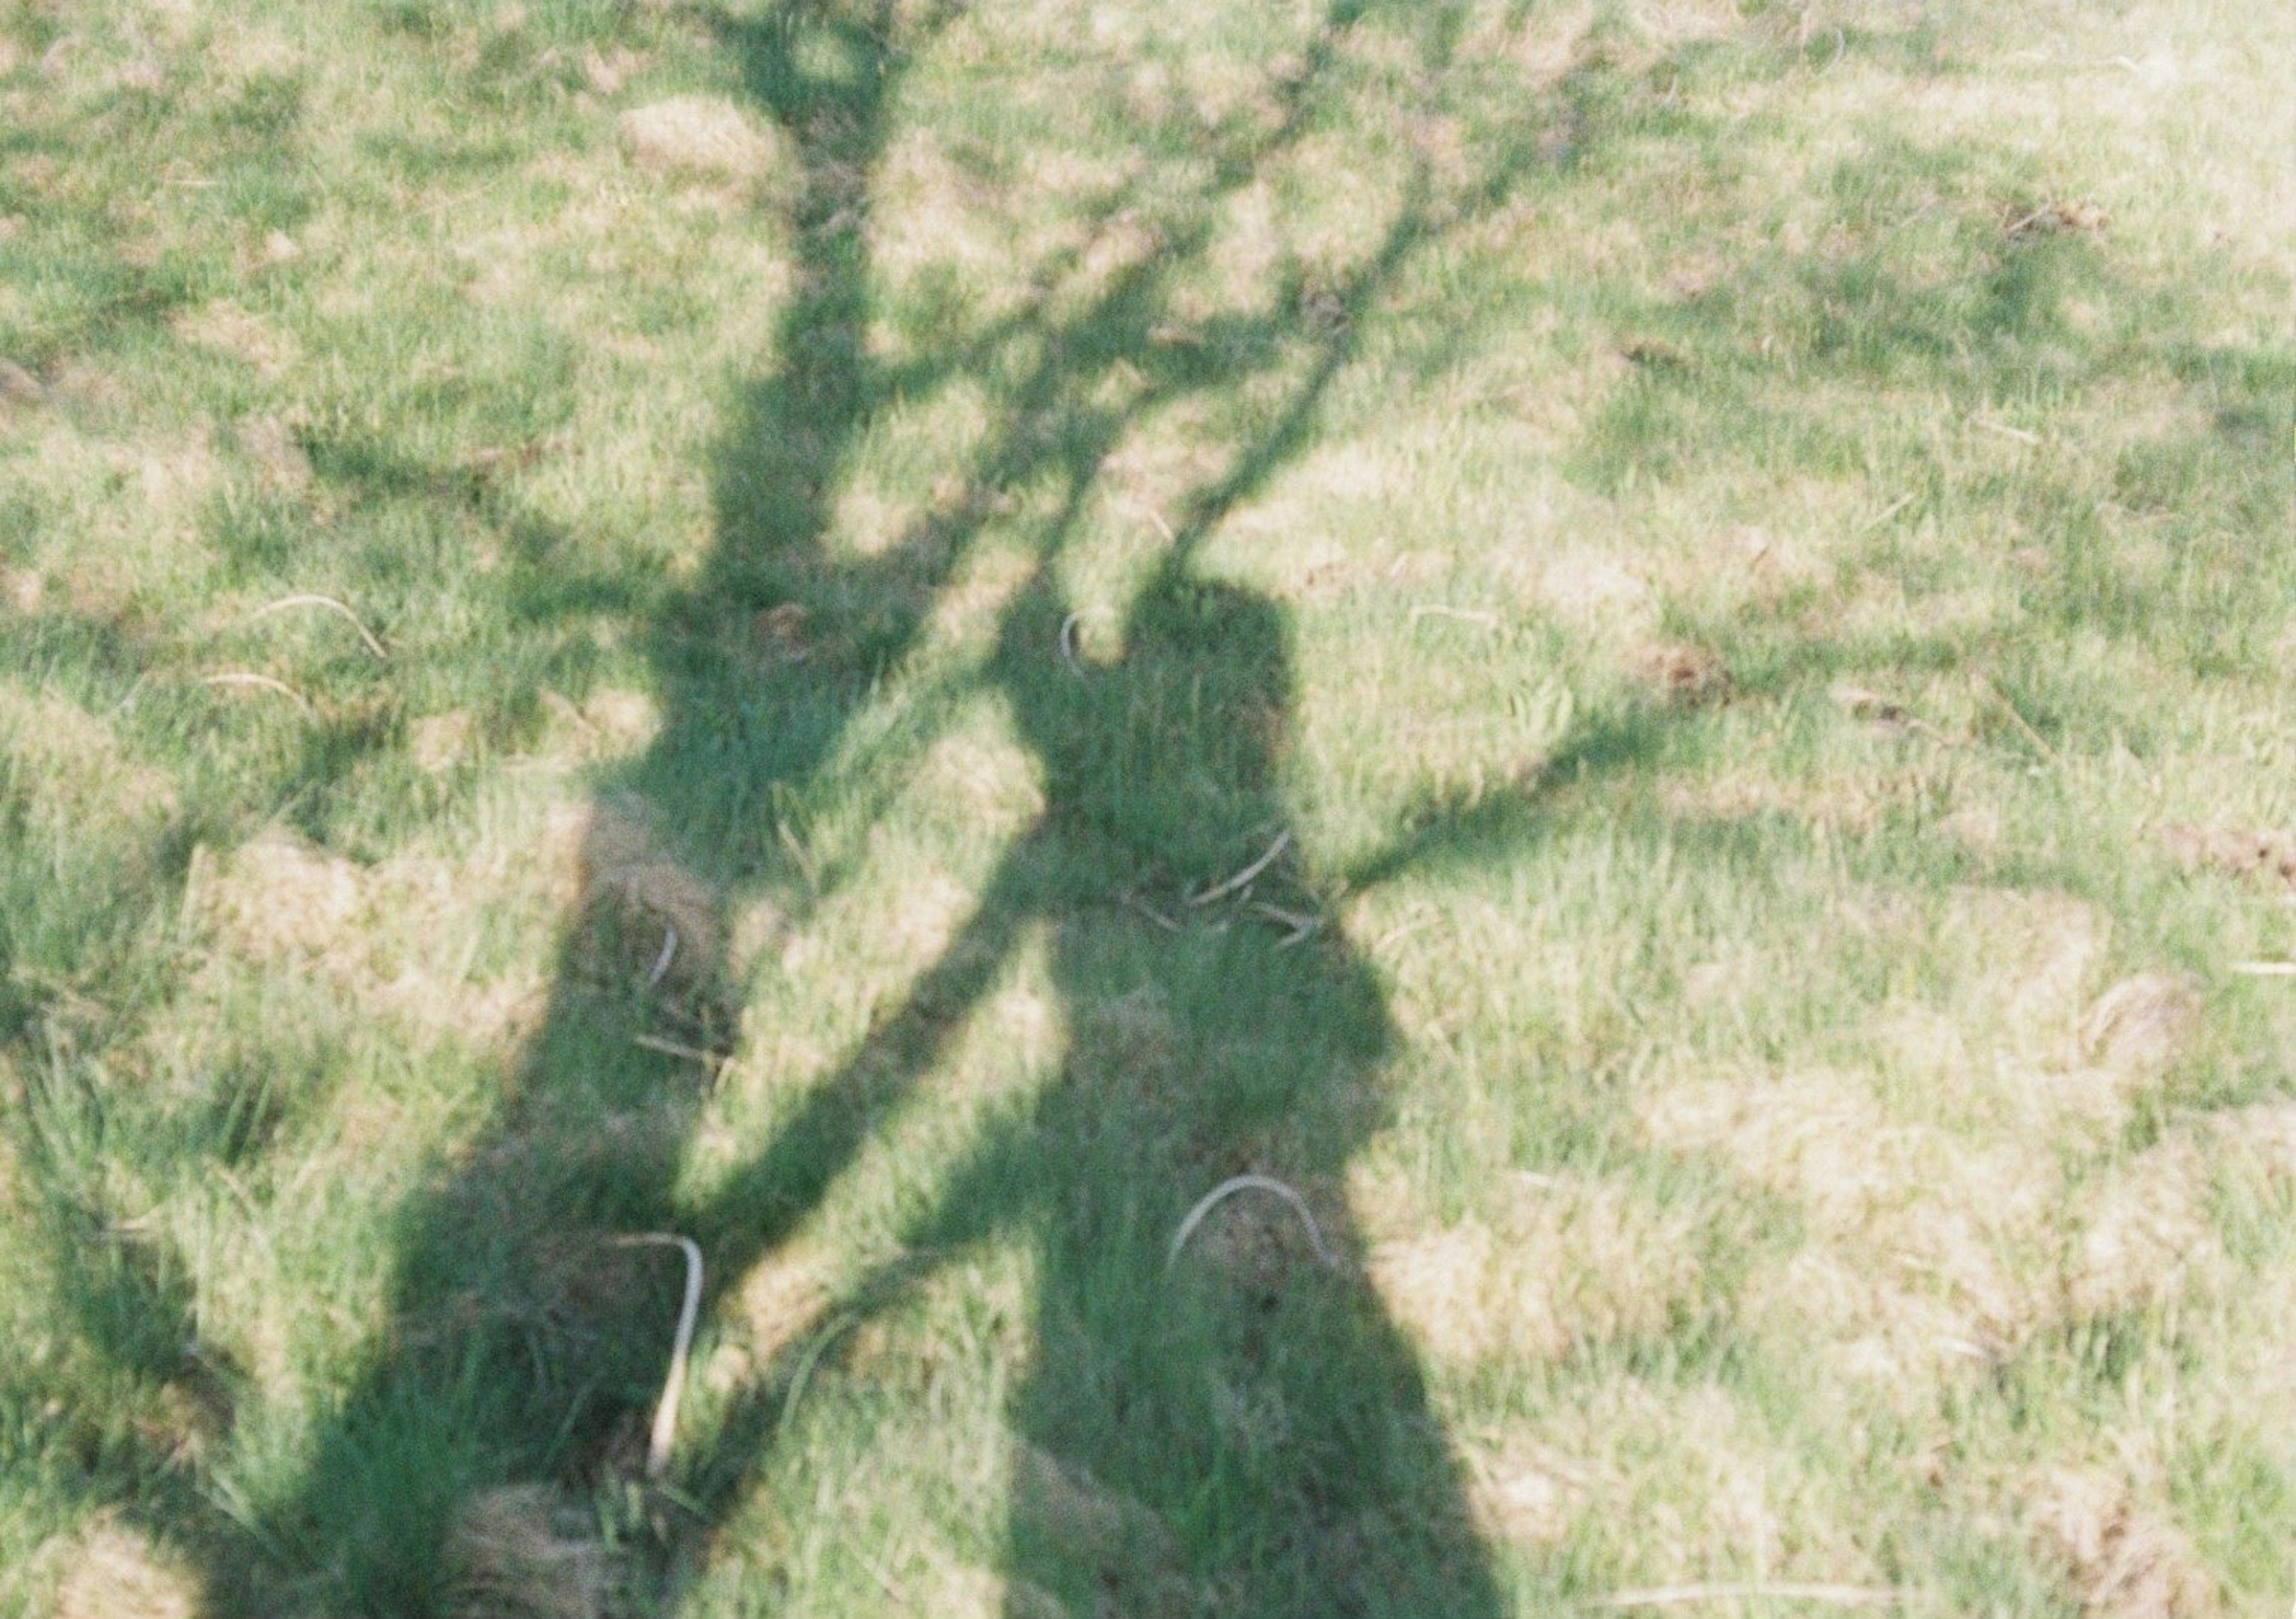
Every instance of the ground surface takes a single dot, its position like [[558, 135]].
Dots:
[[1647, 650]]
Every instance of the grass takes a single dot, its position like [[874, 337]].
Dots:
[[1738, 555]]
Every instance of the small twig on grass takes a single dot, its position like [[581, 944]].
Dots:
[[1302, 923], [1683, 1596], [665, 1414], [2265, 970], [1229, 1188], [1133, 901], [2005, 430], [2031, 735], [670, 1048], [1887, 513], [332, 606], [1469, 615], [261, 682], [1243, 879]]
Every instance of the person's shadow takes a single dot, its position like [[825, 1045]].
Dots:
[[1219, 1416]]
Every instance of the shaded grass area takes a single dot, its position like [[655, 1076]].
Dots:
[[1702, 546]]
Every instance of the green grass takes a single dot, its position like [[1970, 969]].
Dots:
[[1716, 546]]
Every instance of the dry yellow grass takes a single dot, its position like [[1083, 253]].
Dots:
[[520, 1553], [114, 1573], [697, 134]]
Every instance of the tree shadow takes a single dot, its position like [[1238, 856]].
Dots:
[[525, 1345], [1241, 1427]]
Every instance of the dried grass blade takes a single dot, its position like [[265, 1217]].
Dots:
[[665, 1414], [1684, 1596], [261, 682], [1227, 1189], [365, 635], [1243, 878]]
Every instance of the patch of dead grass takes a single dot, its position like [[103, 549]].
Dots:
[[522, 1553], [2258, 854], [279, 901], [699, 135], [2122, 1559], [1525, 1494], [1681, 674], [1135, 1555], [441, 741], [2032, 955], [112, 1573], [2145, 1234], [272, 449], [1921, 1245], [2140, 1024], [1563, 1262], [1591, 589], [1848, 804], [225, 328], [80, 779], [644, 914]]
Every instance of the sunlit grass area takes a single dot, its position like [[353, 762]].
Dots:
[[1375, 807]]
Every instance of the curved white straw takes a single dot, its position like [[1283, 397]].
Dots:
[[1229, 1188], [665, 1414]]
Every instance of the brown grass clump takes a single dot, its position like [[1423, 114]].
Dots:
[[78, 774], [381, 933], [1569, 1261], [113, 1574], [1920, 1244], [2263, 1135], [2146, 1234], [1524, 1493], [696, 135], [20, 389], [2258, 854], [2056, 218], [1139, 1562], [2141, 1023], [270, 447], [518, 1553], [226, 329], [1257, 1242], [1682, 674], [279, 896], [441, 741], [645, 915], [1589, 589], [2122, 1562]]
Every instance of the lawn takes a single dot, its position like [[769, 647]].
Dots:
[[1640, 655]]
